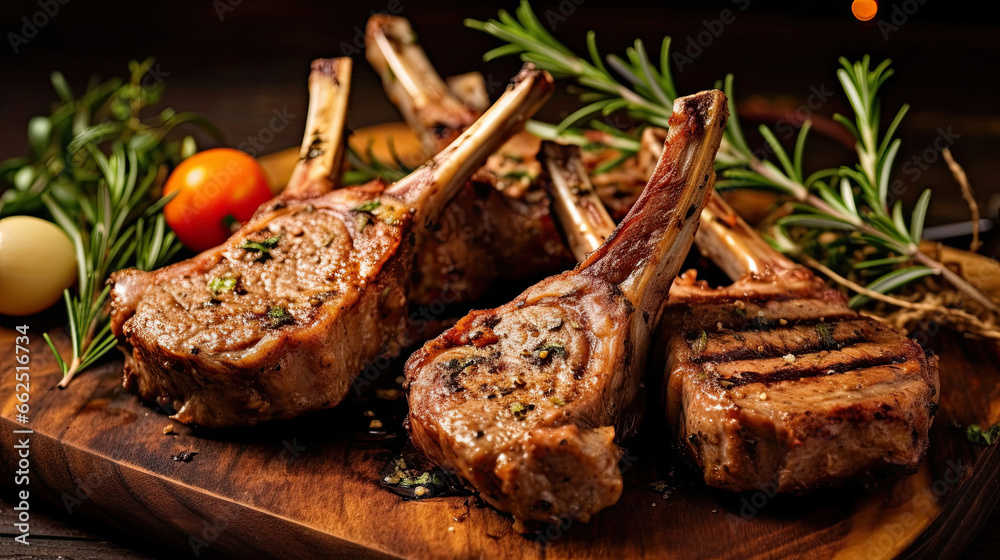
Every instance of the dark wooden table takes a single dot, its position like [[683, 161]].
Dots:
[[237, 66]]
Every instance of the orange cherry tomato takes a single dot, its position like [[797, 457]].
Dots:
[[213, 188]]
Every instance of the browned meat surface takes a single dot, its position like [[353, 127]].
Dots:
[[279, 320], [773, 382], [526, 401], [498, 226]]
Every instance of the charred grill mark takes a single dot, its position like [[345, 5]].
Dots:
[[836, 364], [733, 320], [774, 342], [717, 304]]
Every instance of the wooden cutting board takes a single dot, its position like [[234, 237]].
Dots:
[[309, 488]]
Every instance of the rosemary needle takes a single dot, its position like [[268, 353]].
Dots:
[[851, 201]]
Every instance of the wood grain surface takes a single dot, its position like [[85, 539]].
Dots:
[[310, 487]]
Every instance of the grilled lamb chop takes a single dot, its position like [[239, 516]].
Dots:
[[279, 320], [494, 227], [745, 387], [773, 382], [525, 401]]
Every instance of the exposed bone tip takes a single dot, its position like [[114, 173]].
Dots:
[[395, 28], [701, 109], [539, 78], [334, 68]]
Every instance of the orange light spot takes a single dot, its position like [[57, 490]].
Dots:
[[864, 10]]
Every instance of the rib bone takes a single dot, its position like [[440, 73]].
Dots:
[[413, 85], [323, 145], [484, 234], [584, 219]]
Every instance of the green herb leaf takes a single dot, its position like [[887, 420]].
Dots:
[[222, 285], [700, 344], [518, 409], [368, 207], [278, 317], [263, 247], [825, 332], [976, 434], [891, 281]]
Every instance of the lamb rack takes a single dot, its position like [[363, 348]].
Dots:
[[526, 401], [773, 383], [279, 320], [499, 225]]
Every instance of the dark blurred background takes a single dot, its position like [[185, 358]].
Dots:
[[237, 61]]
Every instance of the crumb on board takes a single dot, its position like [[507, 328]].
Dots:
[[184, 456], [389, 394]]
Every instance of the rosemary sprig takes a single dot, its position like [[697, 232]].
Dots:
[[652, 89], [107, 111], [601, 137], [849, 200], [109, 205], [126, 230], [852, 201], [362, 169]]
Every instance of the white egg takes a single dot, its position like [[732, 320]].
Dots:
[[37, 262]]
